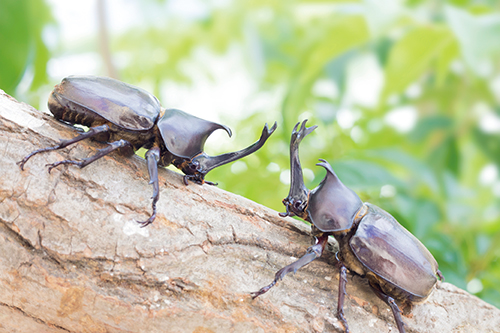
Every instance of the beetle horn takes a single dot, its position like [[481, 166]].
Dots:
[[207, 163], [296, 201]]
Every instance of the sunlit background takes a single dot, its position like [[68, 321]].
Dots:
[[406, 95]]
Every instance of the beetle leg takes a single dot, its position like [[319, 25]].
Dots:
[[102, 152], [196, 178], [342, 292], [152, 158], [64, 143], [312, 253], [392, 304], [440, 275]]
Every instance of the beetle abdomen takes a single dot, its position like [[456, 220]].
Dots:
[[390, 251], [64, 109], [123, 105]]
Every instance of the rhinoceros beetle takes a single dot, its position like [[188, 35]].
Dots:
[[371, 242], [129, 118]]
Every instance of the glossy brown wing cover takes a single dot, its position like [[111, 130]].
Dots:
[[184, 135], [390, 251], [122, 104]]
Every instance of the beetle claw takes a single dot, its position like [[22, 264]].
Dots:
[[51, 166], [148, 221], [144, 223], [22, 163], [262, 290]]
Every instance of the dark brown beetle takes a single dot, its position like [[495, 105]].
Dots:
[[129, 118], [371, 242]]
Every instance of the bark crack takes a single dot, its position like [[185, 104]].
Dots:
[[38, 320]]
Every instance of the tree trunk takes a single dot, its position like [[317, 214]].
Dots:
[[73, 259]]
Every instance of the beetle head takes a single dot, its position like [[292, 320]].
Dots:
[[191, 169], [294, 207]]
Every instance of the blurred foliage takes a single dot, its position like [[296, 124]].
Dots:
[[23, 50], [422, 140]]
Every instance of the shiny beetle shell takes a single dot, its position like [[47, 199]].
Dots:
[[120, 103], [390, 251]]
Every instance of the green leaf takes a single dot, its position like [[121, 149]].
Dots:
[[21, 25], [412, 55], [16, 42], [449, 53], [333, 39], [446, 155], [39, 17], [489, 144], [428, 125], [478, 37], [427, 216], [418, 169], [361, 174]]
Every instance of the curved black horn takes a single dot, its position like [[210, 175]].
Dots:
[[207, 163]]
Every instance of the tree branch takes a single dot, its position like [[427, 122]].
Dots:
[[73, 259]]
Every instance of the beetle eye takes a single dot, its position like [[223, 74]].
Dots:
[[194, 165], [297, 204]]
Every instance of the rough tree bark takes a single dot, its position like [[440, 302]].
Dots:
[[72, 258]]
